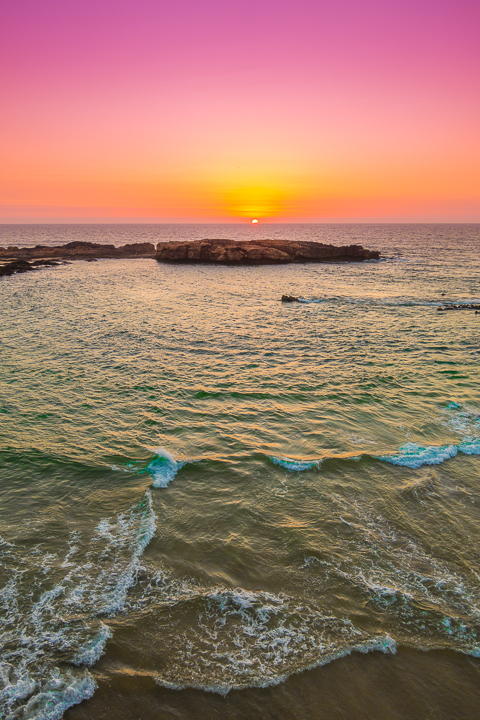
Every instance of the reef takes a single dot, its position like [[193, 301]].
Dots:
[[259, 252]]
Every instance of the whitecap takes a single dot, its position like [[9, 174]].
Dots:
[[470, 447], [415, 456], [163, 468], [95, 648]]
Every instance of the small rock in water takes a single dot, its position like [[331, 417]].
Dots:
[[289, 298]]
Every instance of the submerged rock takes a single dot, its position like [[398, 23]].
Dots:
[[259, 252]]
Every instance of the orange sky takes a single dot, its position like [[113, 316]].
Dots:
[[116, 111]]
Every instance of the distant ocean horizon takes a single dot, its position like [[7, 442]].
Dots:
[[216, 504]]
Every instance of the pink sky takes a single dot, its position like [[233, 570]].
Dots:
[[316, 111]]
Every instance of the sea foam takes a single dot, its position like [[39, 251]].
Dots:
[[414, 456]]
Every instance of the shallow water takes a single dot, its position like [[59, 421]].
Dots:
[[206, 489]]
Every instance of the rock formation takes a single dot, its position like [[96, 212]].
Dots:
[[466, 306], [21, 266], [259, 252], [79, 250]]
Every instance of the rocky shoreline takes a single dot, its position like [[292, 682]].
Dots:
[[78, 250], [15, 260]]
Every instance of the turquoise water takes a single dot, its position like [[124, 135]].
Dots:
[[209, 489]]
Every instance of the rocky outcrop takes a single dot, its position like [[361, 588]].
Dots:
[[289, 298], [79, 250], [14, 267], [21, 266], [466, 306], [259, 252]]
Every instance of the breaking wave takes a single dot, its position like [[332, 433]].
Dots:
[[163, 468], [238, 639], [51, 626], [294, 465]]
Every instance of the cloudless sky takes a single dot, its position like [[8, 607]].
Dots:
[[219, 110]]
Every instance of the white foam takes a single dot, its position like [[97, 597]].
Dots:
[[131, 533], [415, 456], [60, 693], [470, 447], [462, 419], [163, 468], [237, 639], [295, 465], [383, 644], [40, 635], [95, 648]]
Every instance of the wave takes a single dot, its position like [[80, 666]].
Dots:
[[294, 465], [410, 455], [235, 639], [383, 644], [47, 644], [414, 456], [462, 420], [163, 468]]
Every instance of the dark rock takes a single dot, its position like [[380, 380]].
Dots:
[[467, 306], [259, 252], [14, 267], [47, 263], [289, 298]]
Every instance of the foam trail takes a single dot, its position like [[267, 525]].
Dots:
[[132, 533], [60, 695], [163, 468], [383, 644], [294, 465]]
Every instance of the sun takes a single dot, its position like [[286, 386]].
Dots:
[[254, 221]]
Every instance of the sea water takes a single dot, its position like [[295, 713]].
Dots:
[[207, 493]]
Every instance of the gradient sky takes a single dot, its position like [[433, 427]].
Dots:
[[365, 110]]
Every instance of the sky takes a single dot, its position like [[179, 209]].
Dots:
[[221, 110]]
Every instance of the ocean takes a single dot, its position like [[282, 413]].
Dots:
[[219, 505]]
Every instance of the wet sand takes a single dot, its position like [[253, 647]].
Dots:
[[411, 685]]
